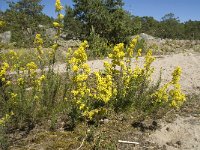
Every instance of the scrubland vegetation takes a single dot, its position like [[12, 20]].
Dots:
[[33, 94]]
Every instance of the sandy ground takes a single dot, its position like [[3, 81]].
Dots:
[[183, 133], [189, 62]]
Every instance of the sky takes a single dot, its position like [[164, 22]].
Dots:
[[184, 9]]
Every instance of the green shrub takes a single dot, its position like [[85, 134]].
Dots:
[[98, 46]]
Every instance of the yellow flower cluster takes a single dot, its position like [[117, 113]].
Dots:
[[82, 93], [177, 97], [20, 81], [13, 55], [174, 96], [161, 95], [2, 23], [39, 42], [54, 47], [38, 39], [79, 56], [60, 16], [39, 81], [5, 119], [148, 70], [13, 95], [12, 58], [58, 6], [56, 24], [32, 67], [3, 71], [119, 67], [91, 114], [80, 72], [108, 67], [117, 54], [176, 76], [104, 86], [131, 47]]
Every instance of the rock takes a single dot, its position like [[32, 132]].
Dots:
[[104, 121], [41, 26], [50, 32], [146, 36], [5, 37], [178, 143], [63, 36], [69, 43]]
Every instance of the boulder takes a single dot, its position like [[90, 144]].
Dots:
[[5, 37], [50, 32], [146, 36]]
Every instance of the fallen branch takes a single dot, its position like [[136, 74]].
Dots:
[[128, 142]]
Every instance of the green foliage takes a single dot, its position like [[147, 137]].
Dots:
[[107, 18], [149, 25], [192, 30], [72, 26], [23, 19], [98, 46], [169, 27]]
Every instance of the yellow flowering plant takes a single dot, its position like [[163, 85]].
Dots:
[[79, 71], [58, 25], [170, 93]]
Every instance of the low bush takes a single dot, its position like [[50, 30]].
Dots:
[[99, 47], [30, 93]]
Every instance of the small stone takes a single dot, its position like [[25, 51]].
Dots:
[[178, 143], [168, 129], [106, 120]]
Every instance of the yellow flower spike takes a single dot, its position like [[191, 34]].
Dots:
[[2, 23], [55, 46], [6, 118], [86, 68], [74, 92], [161, 94], [13, 95], [81, 77], [103, 88], [82, 106], [20, 81], [139, 54], [56, 25], [42, 78], [58, 6], [31, 66], [38, 39], [8, 83], [60, 16], [176, 75], [75, 68]]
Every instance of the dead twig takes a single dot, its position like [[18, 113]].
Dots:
[[128, 142]]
